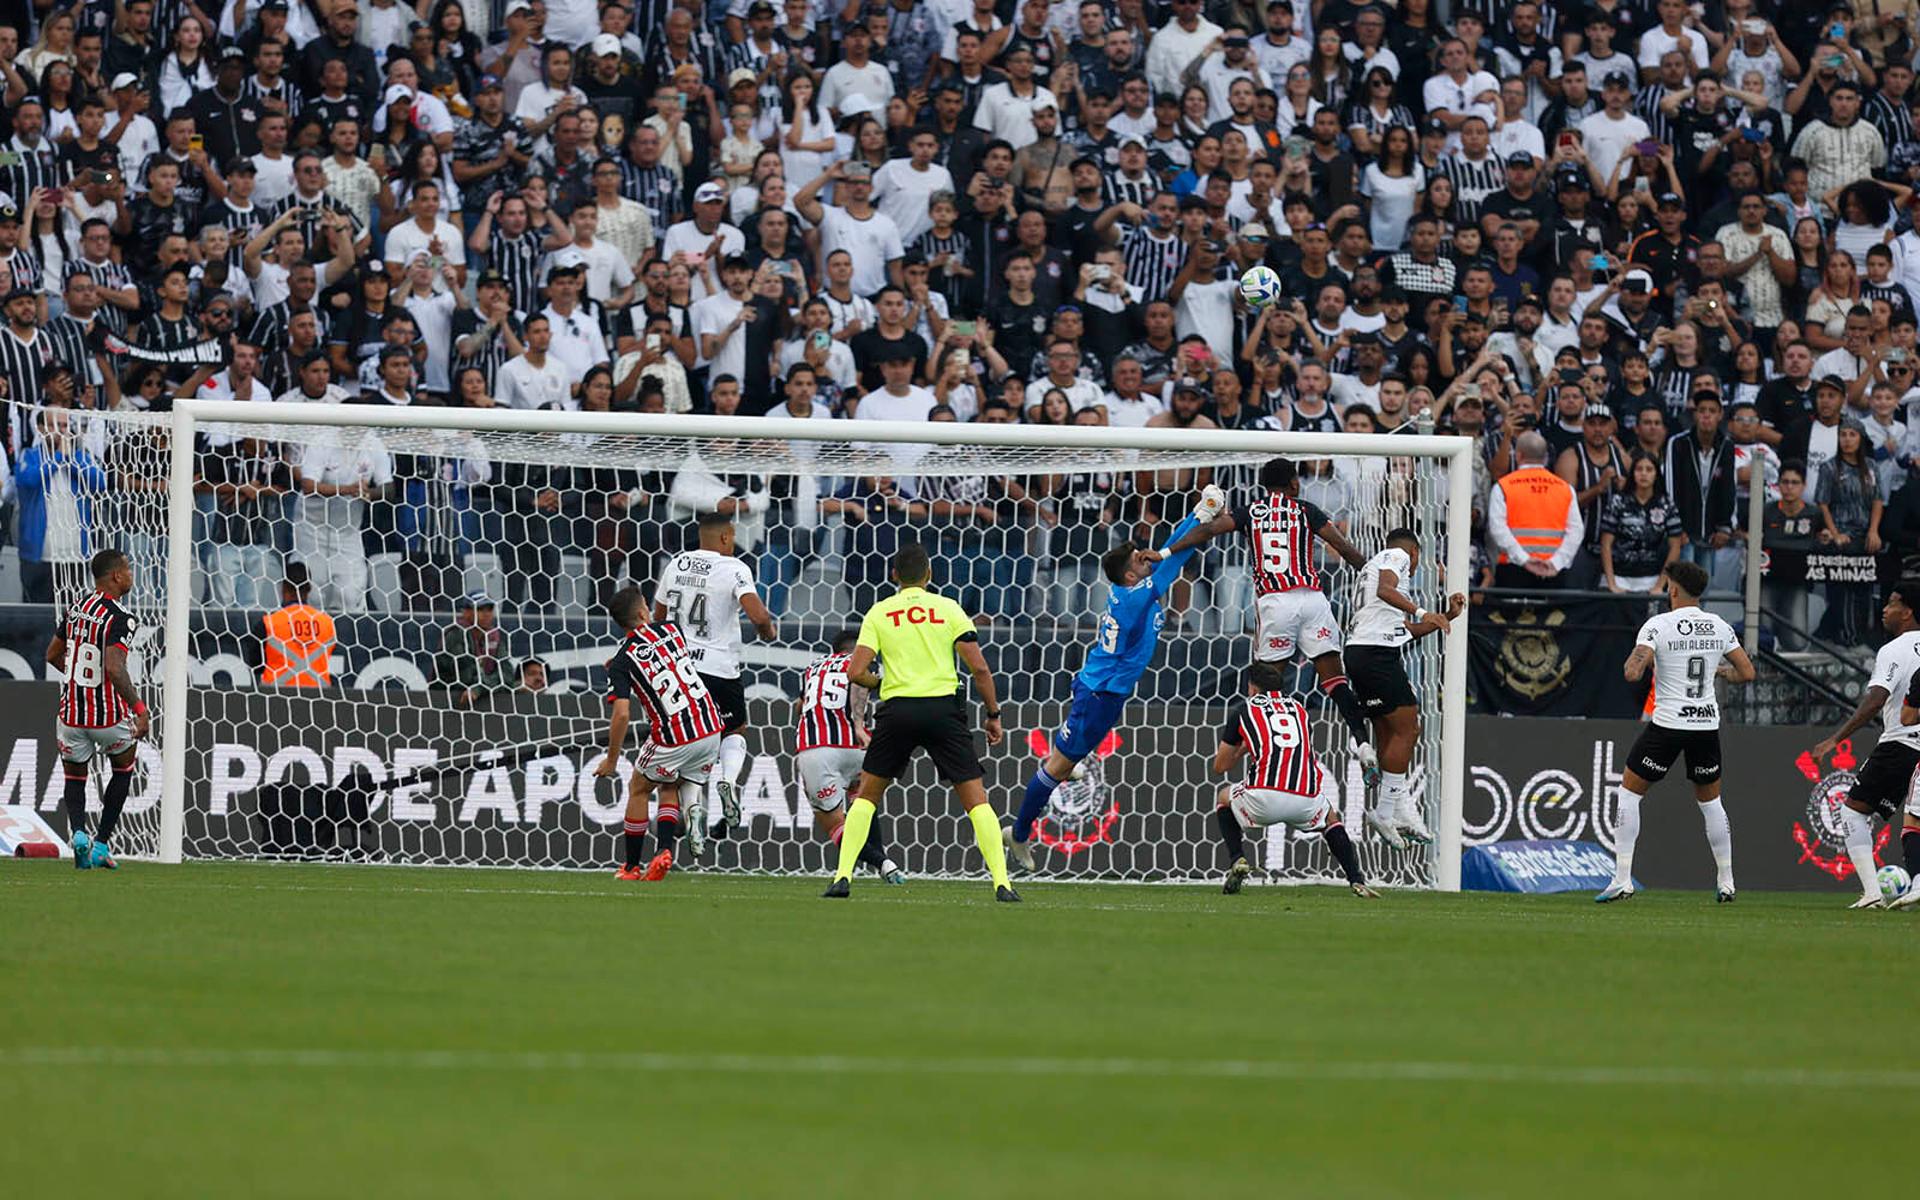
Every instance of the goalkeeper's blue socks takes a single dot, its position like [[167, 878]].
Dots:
[[1039, 791]]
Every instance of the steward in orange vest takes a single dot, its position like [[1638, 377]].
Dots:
[[298, 638], [1534, 522]]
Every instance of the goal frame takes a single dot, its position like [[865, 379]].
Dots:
[[190, 414]]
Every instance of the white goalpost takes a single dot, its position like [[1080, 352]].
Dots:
[[404, 758]]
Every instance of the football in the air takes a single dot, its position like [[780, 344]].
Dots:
[[1893, 880], [1260, 286]]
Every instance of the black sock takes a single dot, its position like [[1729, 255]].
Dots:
[[113, 800], [1230, 833], [874, 853], [1910, 849], [634, 841], [1343, 699], [1344, 853], [666, 827], [75, 798]]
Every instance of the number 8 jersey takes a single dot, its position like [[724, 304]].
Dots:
[[1687, 646], [94, 625], [652, 667]]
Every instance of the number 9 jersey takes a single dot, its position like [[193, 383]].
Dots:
[[1687, 646]]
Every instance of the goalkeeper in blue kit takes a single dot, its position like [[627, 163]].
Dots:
[[1122, 652]]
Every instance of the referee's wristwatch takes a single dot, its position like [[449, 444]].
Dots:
[[992, 714]]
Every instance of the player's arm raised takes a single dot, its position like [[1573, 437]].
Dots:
[[1337, 541], [1420, 622], [1199, 536], [976, 661], [123, 684], [1863, 713]]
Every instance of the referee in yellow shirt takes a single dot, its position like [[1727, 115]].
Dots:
[[916, 634]]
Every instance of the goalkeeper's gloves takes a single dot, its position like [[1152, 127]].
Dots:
[[757, 502]]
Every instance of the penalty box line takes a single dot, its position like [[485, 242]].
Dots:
[[597, 1061]]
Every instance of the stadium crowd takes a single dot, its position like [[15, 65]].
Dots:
[[1644, 246]]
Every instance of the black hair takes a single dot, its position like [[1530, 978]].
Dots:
[[106, 562], [714, 520], [1268, 677], [845, 641], [912, 564], [1278, 474], [1689, 577], [1114, 563], [1403, 537], [625, 606]]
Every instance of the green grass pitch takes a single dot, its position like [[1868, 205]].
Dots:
[[222, 1030]]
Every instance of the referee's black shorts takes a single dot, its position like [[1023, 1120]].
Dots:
[[936, 724]]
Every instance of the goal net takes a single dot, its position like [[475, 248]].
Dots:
[[463, 558]]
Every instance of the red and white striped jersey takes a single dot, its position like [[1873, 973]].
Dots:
[[824, 695], [94, 625], [1281, 543], [653, 667], [1273, 728]]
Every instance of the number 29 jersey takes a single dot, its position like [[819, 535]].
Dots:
[[701, 590], [653, 668], [1687, 646], [95, 624], [1280, 542]]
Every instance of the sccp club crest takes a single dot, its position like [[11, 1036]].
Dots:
[[1822, 840], [1082, 812], [1531, 662]]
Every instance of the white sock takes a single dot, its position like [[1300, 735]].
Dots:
[[1719, 836], [1393, 790], [1626, 831], [733, 756], [1859, 827]]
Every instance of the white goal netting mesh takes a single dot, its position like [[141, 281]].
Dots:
[[440, 737]]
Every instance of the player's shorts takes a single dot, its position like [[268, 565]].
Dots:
[[829, 774], [1378, 676], [691, 763], [1296, 622], [79, 744], [1089, 721], [730, 696], [1258, 808], [936, 724], [1658, 748], [1885, 780]]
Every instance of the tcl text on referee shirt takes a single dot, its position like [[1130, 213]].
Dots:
[[913, 632]]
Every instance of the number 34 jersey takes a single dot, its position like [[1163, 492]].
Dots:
[[653, 669], [94, 625], [701, 590], [1687, 646]]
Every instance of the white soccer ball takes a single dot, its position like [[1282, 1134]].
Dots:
[[1893, 880], [1260, 286]]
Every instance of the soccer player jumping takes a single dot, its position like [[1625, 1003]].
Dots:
[[1122, 651], [1293, 614], [100, 710]]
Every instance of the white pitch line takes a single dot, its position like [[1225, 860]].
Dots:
[[126, 1057]]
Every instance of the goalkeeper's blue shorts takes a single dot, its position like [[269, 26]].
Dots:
[[1089, 721]]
